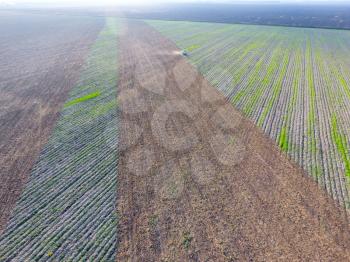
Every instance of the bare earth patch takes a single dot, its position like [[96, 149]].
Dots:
[[198, 182]]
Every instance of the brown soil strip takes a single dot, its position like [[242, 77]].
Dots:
[[41, 58], [198, 182]]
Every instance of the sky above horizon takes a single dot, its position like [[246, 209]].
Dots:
[[148, 2]]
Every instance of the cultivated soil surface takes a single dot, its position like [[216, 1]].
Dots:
[[198, 182], [41, 58]]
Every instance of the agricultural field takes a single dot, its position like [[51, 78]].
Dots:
[[116, 147], [66, 211], [294, 83]]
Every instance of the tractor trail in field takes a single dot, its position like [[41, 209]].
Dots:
[[197, 181]]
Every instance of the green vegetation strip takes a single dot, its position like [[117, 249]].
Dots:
[[67, 210], [82, 99], [283, 139], [342, 145], [192, 47]]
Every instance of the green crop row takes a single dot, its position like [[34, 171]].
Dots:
[[342, 145]]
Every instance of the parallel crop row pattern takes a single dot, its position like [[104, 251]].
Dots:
[[294, 83], [67, 210]]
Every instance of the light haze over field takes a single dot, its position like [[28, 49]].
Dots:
[[150, 2]]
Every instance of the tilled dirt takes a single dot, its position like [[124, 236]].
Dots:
[[198, 182], [41, 58]]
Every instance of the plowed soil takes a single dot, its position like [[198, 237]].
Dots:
[[41, 58], [198, 182]]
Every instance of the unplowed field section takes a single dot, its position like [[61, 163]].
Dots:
[[40, 60], [197, 181]]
